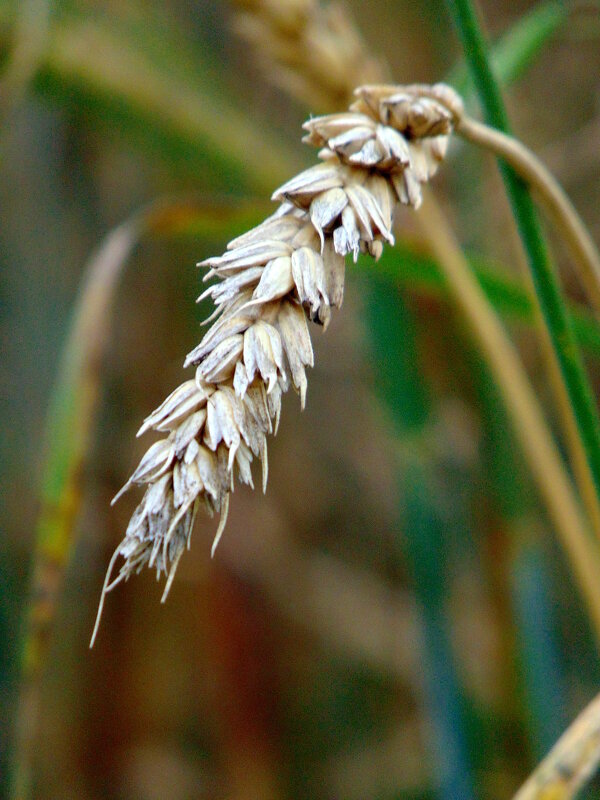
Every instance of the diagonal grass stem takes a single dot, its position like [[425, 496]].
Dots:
[[546, 285], [540, 451]]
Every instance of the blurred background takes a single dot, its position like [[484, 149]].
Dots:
[[394, 618]]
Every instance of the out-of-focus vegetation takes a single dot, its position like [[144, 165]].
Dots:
[[395, 618]]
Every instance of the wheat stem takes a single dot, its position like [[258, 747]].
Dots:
[[553, 197], [571, 762], [531, 169], [546, 285], [569, 224], [531, 429]]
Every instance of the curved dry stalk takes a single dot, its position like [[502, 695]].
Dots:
[[530, 427], [587, 259], [551, 194], [571, 762], [547, 288], [560, 208]]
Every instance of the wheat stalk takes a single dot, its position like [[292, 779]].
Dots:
[[271, 281], [570, 763]]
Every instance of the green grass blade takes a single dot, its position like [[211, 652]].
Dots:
[[546, 284], [517, 49]]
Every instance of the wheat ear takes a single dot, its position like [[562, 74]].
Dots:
[[270, 282]]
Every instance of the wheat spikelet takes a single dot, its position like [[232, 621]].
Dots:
[[271, 281]]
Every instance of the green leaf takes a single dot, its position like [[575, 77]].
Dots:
[[517, 49], [547, 287]]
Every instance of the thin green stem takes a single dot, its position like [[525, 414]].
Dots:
[[515, 51], [587, 262], [545, 281]]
